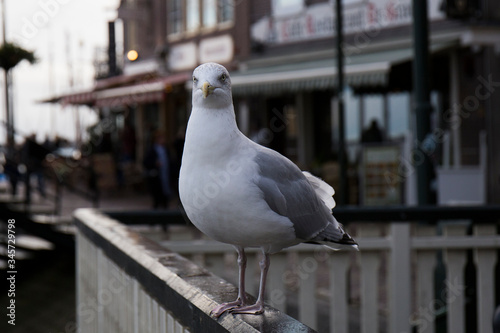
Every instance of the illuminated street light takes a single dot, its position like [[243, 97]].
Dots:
[[132, 55]]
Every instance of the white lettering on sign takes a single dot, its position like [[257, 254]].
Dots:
[[217, 49], [183, 56], [318, 21]]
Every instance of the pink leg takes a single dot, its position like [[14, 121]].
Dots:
[[258, 307], [242, 298]]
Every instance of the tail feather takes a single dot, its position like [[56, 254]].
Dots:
[[335, 238], [334, 235]]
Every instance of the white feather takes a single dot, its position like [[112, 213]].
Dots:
[[324, 191]]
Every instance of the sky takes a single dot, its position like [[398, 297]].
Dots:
[[64, 35]]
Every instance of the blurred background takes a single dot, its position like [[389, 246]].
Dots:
[[100, 83]]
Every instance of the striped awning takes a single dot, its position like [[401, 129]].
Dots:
[[129, 95], [143, 92], [78, 98], [140, 93], [361, 70]]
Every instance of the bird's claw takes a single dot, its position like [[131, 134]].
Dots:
[[220, 309], [254, 309]]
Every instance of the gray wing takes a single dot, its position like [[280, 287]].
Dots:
[[288, 193]]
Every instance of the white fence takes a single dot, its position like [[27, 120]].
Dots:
[[127, 283], [388, 286]]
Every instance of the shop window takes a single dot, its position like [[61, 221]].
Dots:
[[226, 10], [209, 13], [399, 114], [192, 15], [374, 110], [351, 109], [287, 7], [175, 17], [188, 16]]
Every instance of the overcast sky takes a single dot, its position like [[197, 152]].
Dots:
[[50, 28]]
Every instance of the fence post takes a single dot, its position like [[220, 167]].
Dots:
[[369, 264], [455, 266], [339, 313], [426, 265], [485, 260], [400, 278]]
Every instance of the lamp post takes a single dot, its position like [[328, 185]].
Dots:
[[344, 190], [423, 106], [8, 116]]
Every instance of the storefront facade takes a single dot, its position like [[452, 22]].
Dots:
[[290, 77], [282, 60]]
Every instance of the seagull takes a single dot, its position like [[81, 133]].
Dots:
[[244, 194]]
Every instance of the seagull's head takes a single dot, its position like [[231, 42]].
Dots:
[[211, 86]]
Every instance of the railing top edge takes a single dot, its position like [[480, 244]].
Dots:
[[362, 214], [428, 213], [180, 286]]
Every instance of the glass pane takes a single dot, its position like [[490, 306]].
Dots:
[[399, 114], [287, 7], [373, 121], [374, 110], [193, 15], [352, 129], [226, 10], [175, 16], [209, 13]]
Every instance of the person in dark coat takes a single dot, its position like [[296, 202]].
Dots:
[[157, 166]]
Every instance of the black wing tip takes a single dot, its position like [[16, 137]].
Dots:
[[346, 240]]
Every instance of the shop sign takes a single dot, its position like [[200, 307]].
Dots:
[[318, 20], [380, 175], [217, 49], [183, 56]]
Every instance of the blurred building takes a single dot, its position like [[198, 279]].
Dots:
[[281, 55]]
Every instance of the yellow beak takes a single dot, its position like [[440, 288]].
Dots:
[[207, 89]]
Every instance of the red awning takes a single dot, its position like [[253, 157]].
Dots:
[[141, 93], [123, 93], [78, 98]]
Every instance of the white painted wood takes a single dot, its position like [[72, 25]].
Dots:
[[133, 310], [178, 328], [276, 293], [163, 320], [136, 305], [400, 278], [455, 265], [339, 314], [370, 263], [426, 263], [170, 323], [456, 242], [485, 260], [155, 327], [307, 266]]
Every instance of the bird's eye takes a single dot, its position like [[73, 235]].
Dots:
[[223, 77], [195, 79]]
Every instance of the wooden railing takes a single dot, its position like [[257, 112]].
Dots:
[[428, 277], [128, 283], [406, 276]]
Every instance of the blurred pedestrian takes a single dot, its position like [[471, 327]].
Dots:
[[33, 155], [372, 133], [157, 166], [11, 169]]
